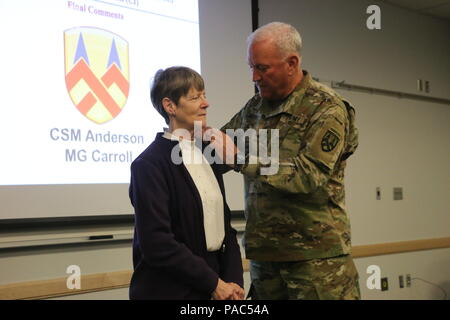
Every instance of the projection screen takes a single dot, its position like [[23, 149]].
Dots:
[[75, 98]]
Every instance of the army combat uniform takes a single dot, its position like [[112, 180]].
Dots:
[[296, 218]]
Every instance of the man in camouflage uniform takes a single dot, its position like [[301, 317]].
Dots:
[[297, 233]]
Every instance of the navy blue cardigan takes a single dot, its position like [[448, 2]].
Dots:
[[169, 246]]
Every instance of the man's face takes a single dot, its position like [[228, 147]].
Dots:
[[269, 70]]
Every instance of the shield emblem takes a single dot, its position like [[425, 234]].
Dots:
[[96, 72], [329, 141]]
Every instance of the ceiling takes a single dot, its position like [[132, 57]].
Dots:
[[436, 8]]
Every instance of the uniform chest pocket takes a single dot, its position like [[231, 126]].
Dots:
[[292, 130]]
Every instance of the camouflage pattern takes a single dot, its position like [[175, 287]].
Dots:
[[317, 279], [299, 212]]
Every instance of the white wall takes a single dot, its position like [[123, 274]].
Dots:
[[338, 45], [403, 143], [429, 270], [29, 264]]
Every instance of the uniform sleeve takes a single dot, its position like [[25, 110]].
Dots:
[[150, 197], [314, 164], [234, 124]]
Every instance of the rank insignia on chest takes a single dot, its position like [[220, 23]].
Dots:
[[329, 141]]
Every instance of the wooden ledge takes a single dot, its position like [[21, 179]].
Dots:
[[120, 279]]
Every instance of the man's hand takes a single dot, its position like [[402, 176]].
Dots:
[[222, 144]]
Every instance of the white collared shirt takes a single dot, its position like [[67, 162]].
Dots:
[[208, 188]]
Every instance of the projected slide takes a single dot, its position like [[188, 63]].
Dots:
[[75, 104]]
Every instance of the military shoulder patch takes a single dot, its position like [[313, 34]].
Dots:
[[329, 141]]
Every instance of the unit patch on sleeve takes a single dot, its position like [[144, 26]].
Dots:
[[329, 141]]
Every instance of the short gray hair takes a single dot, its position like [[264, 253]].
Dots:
[[173, 83], [285, 36]]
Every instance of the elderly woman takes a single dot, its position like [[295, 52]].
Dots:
[[184, 246]]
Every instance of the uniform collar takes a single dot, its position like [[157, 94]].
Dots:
[[289, 104]]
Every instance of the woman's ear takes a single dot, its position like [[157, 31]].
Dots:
[[169, 106]]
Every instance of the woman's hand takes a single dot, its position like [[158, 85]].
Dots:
[[239, 293], [224, 291]]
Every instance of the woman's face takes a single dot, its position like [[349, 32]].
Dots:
[[190, 108]]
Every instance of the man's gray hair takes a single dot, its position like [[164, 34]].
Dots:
[[285, 36]]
